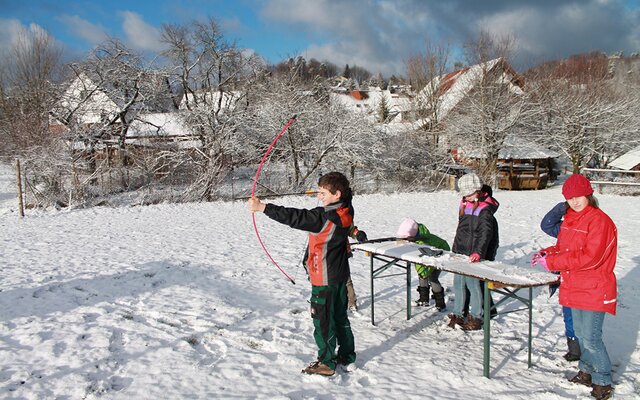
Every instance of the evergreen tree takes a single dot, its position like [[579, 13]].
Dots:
[[383, 109], [347, 72]]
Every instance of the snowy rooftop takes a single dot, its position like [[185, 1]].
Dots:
[[628, 160], [515, 148]]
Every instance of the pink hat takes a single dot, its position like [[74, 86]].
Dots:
[[575, 186], [408, 228]]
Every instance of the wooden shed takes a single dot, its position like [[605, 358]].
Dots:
[[523, 165]]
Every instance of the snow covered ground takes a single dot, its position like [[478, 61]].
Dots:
[[179, 302]]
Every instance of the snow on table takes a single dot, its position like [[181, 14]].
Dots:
[[506, 274]]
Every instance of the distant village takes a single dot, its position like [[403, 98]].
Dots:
[[124, 128]]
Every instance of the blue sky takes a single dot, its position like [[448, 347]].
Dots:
[[379, 35]]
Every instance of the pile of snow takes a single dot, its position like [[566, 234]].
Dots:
[[179, 301]]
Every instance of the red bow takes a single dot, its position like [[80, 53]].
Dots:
[[253, 189]]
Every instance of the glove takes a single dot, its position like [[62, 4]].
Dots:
[[361, 236], [537, 256], [541, 261], [474, 257]]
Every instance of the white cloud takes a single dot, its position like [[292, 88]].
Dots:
[[377, 35], [319, 15], [140, 35], [381, 34], [92, 33], [9, 31], [232, 25], [341, 55], [12, 29]]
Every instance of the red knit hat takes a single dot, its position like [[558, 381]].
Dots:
[[577, 185]]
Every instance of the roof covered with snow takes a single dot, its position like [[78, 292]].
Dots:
[[517, 148], [158, 124], [627, 161], [451, 88]]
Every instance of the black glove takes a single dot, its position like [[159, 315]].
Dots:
[[361, 236]]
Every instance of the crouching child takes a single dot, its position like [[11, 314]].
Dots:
[[427, 275]]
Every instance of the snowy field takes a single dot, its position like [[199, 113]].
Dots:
[[179, 302]]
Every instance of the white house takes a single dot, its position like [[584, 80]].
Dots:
[[85, 102], [400, 105], [453, 87], [190, 101]]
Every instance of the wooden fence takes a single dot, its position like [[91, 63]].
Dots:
[[603, 177]]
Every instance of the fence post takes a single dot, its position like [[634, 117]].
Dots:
[[19, 187]]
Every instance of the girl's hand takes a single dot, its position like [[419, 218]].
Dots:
[[541, 259], [475, 257], [537, 256]]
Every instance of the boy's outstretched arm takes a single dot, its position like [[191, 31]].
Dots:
[[306, 220]]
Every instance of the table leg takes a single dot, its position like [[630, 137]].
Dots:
[[530, 322], [487, 328], [408, 291], [372, 292]]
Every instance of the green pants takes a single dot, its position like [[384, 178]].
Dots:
[[331, 324]]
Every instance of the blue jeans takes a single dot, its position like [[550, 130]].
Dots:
[[568, 323], [460, 282], [595, 359]]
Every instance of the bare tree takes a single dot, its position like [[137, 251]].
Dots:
[[359, 74], [110, 90], [426, 72], [582, 114], [27, 79], [325, 135], [214, 76], [493, 106]]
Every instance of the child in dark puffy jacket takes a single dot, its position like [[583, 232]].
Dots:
[[550, 225], [476, 237], [427, 274]]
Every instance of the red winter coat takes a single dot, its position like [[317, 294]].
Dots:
[[585, 255]]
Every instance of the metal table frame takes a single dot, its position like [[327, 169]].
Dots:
[[507, 292]]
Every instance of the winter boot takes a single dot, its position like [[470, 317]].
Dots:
[[319, 368], [582, 379], [455, 320], [472, 324], [574, 350], [423, 301], [439, 298], [602, 392]]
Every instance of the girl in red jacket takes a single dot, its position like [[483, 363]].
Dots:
[[585, 255]]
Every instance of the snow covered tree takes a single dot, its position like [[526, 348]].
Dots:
[[324, 137], [582, 114], [383, 109], [493, 106], [213, 75], [426, 72], [110, 89]]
